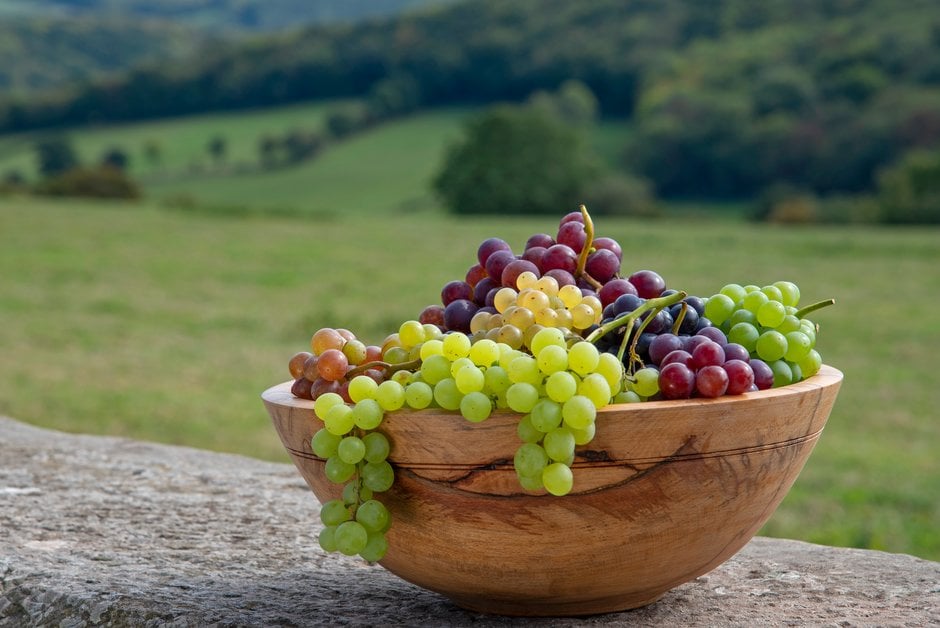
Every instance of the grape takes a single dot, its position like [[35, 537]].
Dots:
[[375, 548], [753, 301], [339, 419], [676, 380], [648, 283], [351, 449], [332, 365], [810, 364], [711, 381], [353, 493], [535, 255], [679, 356], [707, 354], [773, 293], [455, 346], [741, 316], [789, 293], [515, 268], [524, 369], [411, 333], [611, 369], [662, 345], [553, 359], [327, 539], [355, 351], [496, 264], [609, 244], [338, 471], [734, 291], [458, 313], [771, 345], [560, 256], [572, 234], [530, 459], [301, 388], [446, 394], [771, 313], [559, 444], [539, 239], [373, 515], [351, 538], [545, 415], [482, 289], [296, 364], [583, 358], [532, 299], [595, 388], [324, 443], [390, 395], [578, 412], [582, 316], [561, 276], [496, 380], [798, 346], [490, 246], [504, 298], [575, 216], [734, 351], [783, 374], [378, 476], [745, 335], [547, 337], [431, 315], [740, 376], [602, 265], [522, 397], [763, 374], [367, 414], [454, 290], [474, 274], [528, 432], [557, 479], [324, 339], [561, 386], [475, 406], [377, 447], [469, 379], [714, 334], [647, 382], [334, 512]]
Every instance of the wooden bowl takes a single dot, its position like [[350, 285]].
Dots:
[[667, 491]]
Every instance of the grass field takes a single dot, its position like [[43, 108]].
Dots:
[[132, 320]]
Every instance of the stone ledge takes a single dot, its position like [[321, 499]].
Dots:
[[110, 531]]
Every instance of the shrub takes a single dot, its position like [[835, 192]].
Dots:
[[909, 192], [100, 182], [622, 195]]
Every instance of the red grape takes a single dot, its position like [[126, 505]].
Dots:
[[563, 277], [763, 374], [613, 289], [326, 338], [490, 246], [515, 268], [602, 265], [457, 315], [740, 376], [677, 356], [648, 284], [454, 290], [432, 314], [539, 239], [560, 256], [711, 381], [296, 363], [676, 381], [611, 245], [332, 365], [572, 234], [662, 345], [535, 255], [734, 351], [496, 262], [708, 354], [301, 388], [714, 334], [482, 289], [474, 274], [572, 217]]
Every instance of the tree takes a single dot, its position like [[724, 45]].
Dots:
[[56, 155], [218, 147], [516, 160], [116, 157], [909, 192]]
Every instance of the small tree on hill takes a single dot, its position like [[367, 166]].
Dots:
[[55, 155], [516, 160]]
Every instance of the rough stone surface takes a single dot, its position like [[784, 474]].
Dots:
[[109, 531]]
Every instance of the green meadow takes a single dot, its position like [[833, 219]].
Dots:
[[137, 321]]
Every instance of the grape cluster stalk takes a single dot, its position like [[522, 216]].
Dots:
[[552, 334]]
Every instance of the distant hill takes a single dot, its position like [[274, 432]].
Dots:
[[47, 44]]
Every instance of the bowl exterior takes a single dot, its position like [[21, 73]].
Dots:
[[665, 492]]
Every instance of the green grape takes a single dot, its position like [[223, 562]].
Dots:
[[552, 359], [742, 316], [790, 323], [530, 459], [522, 397], [810, 364], [390, 395], [401, 378], [796, 372], [771, 314], [432, 332], [753, 300], [783, 374], [561, 386], [353, 493], [578, 412], [327, 539], [506, 356], [339, 419], [771, 345], [496, 380], [585, 436], [611, 368], [790, 293], [375, 548], [334, 512], [531, 482], [749, 288], [524, 369], [324, 443], [647, 382], [528, 432], [367, 414], [745, 334], [411, 333], [484, 352], [545, 415], [338, 471], [798, 346], [351, 538], [378, 476], [431, 347], [735, 291], [476, 407], [377, 447], [435, 368], [719, 307], [469, 379], [583, 357], [373, 515], [809, 328], [559, 444], [355, 351], [557, 478], [362, 387], [351, 449], [458, 364], [628, 396], [446, 394], [418, 395], [324, 402], [545, 337], [456, 345], [595, 388], [396, 355], [773, 293]]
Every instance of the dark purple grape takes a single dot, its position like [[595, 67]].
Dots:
[[491, 298], [763, 374], [572, 234], [560, 256], [482, 289], [611, 245], [496, 264], [703, 323], [563, 277], [689, 319], [676, 381], [643, 343], [613, 289], [626, 303], [454, 290], [657, 324], [734, 351], [662, 345], [603, 265], [535, 255], [515, 268], [648, 284], [542, 240], [696, 303], [714, 334], [490, 246], [457, 315]]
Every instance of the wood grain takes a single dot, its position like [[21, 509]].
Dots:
[[667, 491]]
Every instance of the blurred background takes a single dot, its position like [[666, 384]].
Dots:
[[190, 188]]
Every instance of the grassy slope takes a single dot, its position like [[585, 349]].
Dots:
[[160, 325]]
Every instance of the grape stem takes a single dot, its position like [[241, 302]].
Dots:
[[388, 367], [586, 250], [815, 306]]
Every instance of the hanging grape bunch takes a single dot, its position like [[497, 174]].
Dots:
[[553, 334]]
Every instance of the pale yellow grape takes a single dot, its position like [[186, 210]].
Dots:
[[458, 364], [526, 280], [530, 333], [524, 369], [469, 379], [431, 347], [495, 322], [548, 285], [401, 377], [432, 332], [479, 322], [594, 303], [324, 402], [435, 368], [547, 317], [411, 333], [506, 356], [522, 397], [611, 368], [496, 380], [520, 317], [561, 386], [456, 345], [504, 298], [545, 415], [552, 359], [339, 419], [563, 320], [595, 388], [559, 444], [570, 295], [527, 432], [555, 303], [545, 337], [418, 395], [583, 357], [534, 300], [362, 387], [510, 335], [582, 316], [646, 382], [484, 352]]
